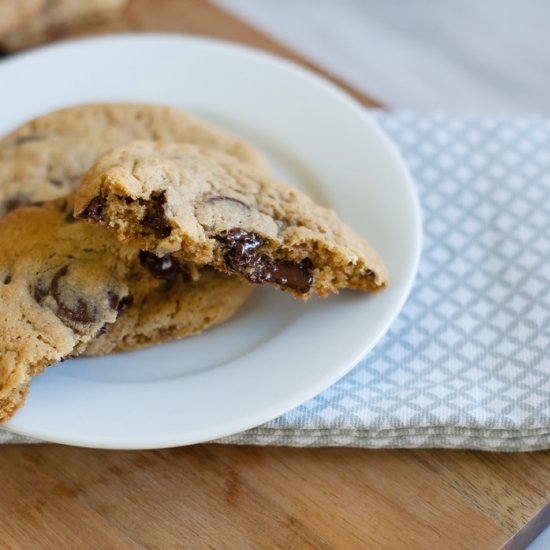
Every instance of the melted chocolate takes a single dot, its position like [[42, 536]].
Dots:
[[155, 216], [292, 275], [242, 255], [241, 249], [94, 209]]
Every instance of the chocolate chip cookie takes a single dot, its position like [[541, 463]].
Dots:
[[47, 157], [58, 16], [53, 302], [203, 206], [64, 283]]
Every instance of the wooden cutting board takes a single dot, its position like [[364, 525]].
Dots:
[[215, 496]]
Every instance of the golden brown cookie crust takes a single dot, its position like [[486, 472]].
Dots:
[[46, 158]]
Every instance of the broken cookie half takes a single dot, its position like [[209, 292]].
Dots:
[[69, 288], [53, 300], [205, 207]]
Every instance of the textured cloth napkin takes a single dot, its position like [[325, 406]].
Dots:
[[467, 363]]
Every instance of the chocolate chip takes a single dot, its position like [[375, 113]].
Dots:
[[40, 291], [242, 256], [241, 248], [7, 279], [82, 312], [166, 267], [223, 198], [94, 209], [155, 215], [299, 277], [26, 139]]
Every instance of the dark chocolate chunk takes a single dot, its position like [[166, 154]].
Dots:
[[155, 215], [223, 198], [7, 279], [94, 209], [243, 256], [26, 139], [82, 312], [241, 246], [166, 267], [299, 277]]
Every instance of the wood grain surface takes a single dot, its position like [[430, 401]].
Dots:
[[216, 496]]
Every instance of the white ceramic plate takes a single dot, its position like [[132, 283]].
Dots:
[[277, 352]]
